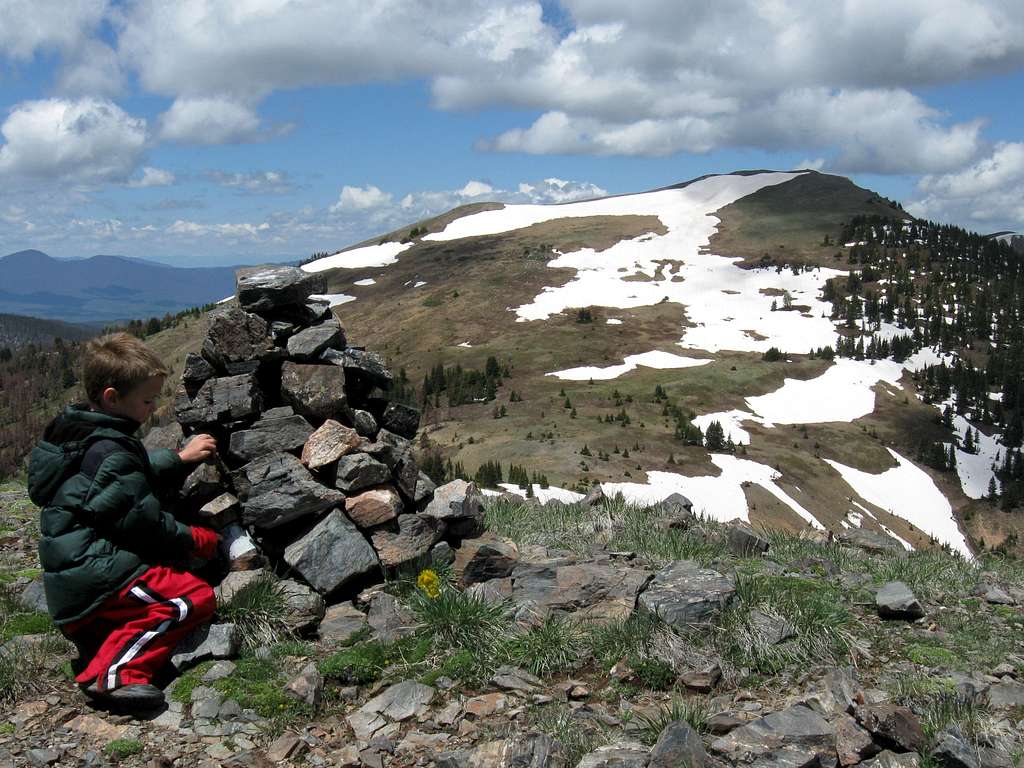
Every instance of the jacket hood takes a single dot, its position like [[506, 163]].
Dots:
[[65, 440]]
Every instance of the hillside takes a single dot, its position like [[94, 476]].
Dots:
[[102, 289], [18, 330]]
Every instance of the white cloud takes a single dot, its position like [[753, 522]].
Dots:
[[360, 199], [86, 140], [30, 25], [152, 177], [227, 230], [261, 182], [91, 69], [988, 194], [209, 121]]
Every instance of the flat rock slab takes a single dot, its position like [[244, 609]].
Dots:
[[535, 750], [793, 737], [1006, 695], [264, 289], [485, 558], [401, 701], [356, 472], [895, 601], [315, 391], [871, 541], [892, 726], [367, 368], [219, 401], [682, 593], [889, 759], [276, 489], [341, 623], [269, 435], [328, 443], [307, 344], [211, 641], [600, 590], [407, 538], [332, 554], [621, 755]]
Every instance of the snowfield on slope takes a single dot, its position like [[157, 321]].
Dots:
[[358, 258], [653, 359]]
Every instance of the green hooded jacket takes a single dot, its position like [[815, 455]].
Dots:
[[102, 522]]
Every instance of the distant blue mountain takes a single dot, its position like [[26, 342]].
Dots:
[[105, 288]]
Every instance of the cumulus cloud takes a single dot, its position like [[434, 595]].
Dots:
[[31, 25], [236, 230], [988, 194], [152, 177], [260, 182], [83, 140], [209, 121], [360, 199]]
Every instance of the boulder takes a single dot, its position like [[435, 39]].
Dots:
[[269, 435], [315, 391], [197, 370], [457, 500], [401, 419], [265, 289], [307, 686], [892, 726], [219, 401], [355, 472], [281, 330], [304, 608], [401, 701], [951, 752], [235, 582], [889, 759], [794, 737], [871, 541], [834, 693], [485, 558], [374, 506], [237, 341], [209, 641], [341, 623], [682, 593], [169, 437], [407, 538], [744, 541], [594, 590], [365, 424], [307, 344], [203, 484], [396, 453], [626, 754], [367, 369], [328, 443], [678, 745], [276, 489], [331, 554], [853, 743], [895, 601], [388, 619], [425, 488], [220, 512], [1008, 694]]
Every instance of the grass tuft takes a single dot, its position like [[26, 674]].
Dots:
[[258, 610], [556, 646], [693, 711]]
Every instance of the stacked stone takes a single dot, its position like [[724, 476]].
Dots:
[[316, 461]]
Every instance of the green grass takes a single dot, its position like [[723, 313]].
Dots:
[[258, 610], [185, 684], [577, 735], [366, 662], [932, 574], [928, 655], [556, 646], [119, 749], [694, 711], [634, 636], [257, 684]]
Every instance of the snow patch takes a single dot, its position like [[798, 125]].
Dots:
[[544, 495], [465, 344], [419, 283], [613, 321], [358, 258], [653, 359], [365, 281], [334, 299]]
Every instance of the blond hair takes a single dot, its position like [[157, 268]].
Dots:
[[118, 360]]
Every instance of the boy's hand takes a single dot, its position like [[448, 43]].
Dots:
[[199, 448], [204, 542]]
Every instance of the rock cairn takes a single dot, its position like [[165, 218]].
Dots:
[[316, 461]]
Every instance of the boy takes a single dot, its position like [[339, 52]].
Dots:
[[107, 545]]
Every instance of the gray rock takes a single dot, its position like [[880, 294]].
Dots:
[[269, 435], [744, 541], [365, 368], [315, 391], [328, 443], [534, 750], [678, 745], [442, 554], [33, 597], [237, 341], [219, 671], [341, 623], [407, 538], [210, 641], [793, 737], [307, 686], [396, 453], [597, 590], [401, 701], [281, 331], [234, 582], [389, 619], [43, 756], [169, 437], [401, 419], [309, 343], [682, 593], [996, 595], [374, 506], [951, 752], [197, 370], [332, 554], [264, 289], [220, 512], [456, 500], [364, 423], [680, 502], [834, 693], [892, 726], [219, 401], [425, 488], [1008, 694], [889, 759], [516, 679], [355, 472], [895, 601], [276, 489], [770, 628], [202, 485], [305, 608], [482, 559], [625, 754], [853, 743], [871, 541]]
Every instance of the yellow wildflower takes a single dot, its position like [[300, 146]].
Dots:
[[429, 582]]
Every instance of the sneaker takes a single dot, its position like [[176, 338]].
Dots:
[[135, 696]]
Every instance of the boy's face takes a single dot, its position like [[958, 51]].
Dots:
[[137, 404]]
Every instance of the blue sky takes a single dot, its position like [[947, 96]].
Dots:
[[203, 132]]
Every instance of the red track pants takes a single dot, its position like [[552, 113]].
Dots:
[[133, 633]]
